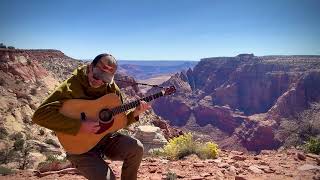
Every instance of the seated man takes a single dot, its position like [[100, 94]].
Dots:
[[91, 82]]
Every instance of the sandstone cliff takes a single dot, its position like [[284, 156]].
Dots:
[[242, 99]]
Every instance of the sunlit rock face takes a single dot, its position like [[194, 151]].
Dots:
[[229, 93]]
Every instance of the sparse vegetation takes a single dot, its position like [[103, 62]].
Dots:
[[41, 132], [171, 176], [295, 131], [313, 145], [184, 145], [2, 82], [51, 159], [16, 136], [3, 133], [8, 155], [2, 45], [18, 144], [52, 142], [24, 160], [5, 171], [33, 91]]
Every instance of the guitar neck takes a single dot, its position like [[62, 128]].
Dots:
[[134, 104]]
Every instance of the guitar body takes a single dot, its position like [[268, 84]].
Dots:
[[83, 142]]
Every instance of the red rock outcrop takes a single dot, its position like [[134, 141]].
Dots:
[[22, 64], [227, 91]]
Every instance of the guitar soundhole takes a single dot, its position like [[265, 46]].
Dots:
[[105, 115]]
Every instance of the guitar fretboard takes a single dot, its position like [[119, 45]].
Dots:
[[134, 104]]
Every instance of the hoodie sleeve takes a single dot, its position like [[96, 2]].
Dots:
[[48, 115]]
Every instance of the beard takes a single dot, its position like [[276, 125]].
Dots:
[[103, 76]]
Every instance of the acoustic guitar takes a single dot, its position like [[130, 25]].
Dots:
[[108, 110]]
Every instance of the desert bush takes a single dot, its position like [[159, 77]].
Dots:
[[171, 176], [2, 45], [24, 160], [41, 132], [313, 145], [2, 82], [52, 142], [3, 133], [16, 136], [33, 91], [19, 144], [8, 155], [179, 147], [51, 159], [184, 145], [208, 150], [5, 171]]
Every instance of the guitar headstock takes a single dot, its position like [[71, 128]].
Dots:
[[169, 90]]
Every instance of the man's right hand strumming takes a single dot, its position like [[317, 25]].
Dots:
[[89, 127]]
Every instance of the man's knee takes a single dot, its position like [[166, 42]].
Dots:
[[139, 148], [136, 148]]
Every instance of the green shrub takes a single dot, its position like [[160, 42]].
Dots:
[[51, 159], [16, 136], [208, 150], [179, 147], [2, 82], [184, 145], [24, 160], [33, 91], [8, 155], [313, 145], [52, 142], [171, 176], [41, 131], [3, 133], [19, 144], [5, 171]]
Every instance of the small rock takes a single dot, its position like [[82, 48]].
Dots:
[[232, 169], [223, 165], [164, 161], [239, 158], [219, 174], [265, 152], [314, 156], [198, 164], [152, 170], [180, 174], [240, 178], [217, 160], [256, 158], [301, 156], [196, 178], [307, 167], [237, 152], [263, 163], [205, 174], [255, 169]]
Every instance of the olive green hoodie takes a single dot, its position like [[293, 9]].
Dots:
[[76, 87]]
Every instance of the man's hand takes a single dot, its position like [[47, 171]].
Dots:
[[141, 108], [89, 127]]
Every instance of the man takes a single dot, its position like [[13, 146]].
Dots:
[[91, 82]]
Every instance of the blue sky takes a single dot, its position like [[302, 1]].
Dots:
[[163, 29]]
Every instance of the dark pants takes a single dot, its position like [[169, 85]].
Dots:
[[117, 147]]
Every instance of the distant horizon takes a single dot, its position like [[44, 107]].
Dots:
[[87, 59]]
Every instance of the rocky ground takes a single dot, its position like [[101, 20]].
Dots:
[[286, 164]]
